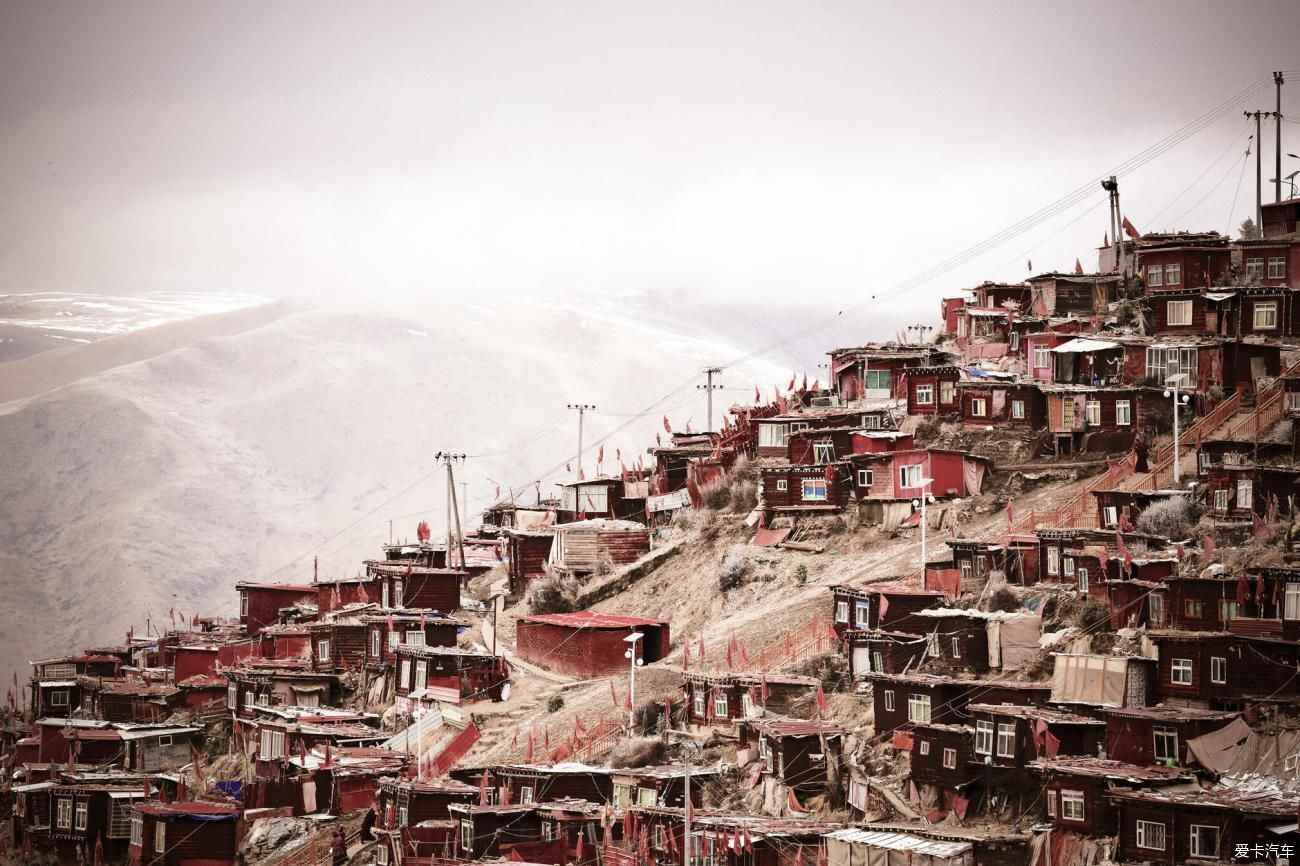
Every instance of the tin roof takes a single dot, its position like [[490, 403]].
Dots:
[[891, 841], [796, 728], [1030, 712], [591, 619], [1102, 768], [1163, 713]]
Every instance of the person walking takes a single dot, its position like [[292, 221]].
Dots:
[[339, 844]]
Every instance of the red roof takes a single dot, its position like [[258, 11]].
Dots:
[[284, 587], [95, 734], [188, 808], [590, 619]]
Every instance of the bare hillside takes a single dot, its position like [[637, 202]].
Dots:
[[157, 484]]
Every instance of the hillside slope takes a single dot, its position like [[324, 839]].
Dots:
[[158, 484]]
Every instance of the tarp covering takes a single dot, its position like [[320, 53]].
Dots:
[[1089, 679], [669, 501], [1219, 751], [1013, 643], [894, 513], [1084, 344], [865, 847], [534, 519]]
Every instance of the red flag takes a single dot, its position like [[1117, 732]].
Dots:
[[1078, 266], [1207, 547], [1243, 588], [881, 609], [763, 687], [701, 652], [804, 387], [528, 753], [686, 657], [821, 699], [582, 476], [483, 788], [198, 762], [1259, 528], [613, 695], [1011, 516], [627, 701], [790, 387], [668, 711], [600, 455], [329, 761], [729, 658], [658, 441], [1130, 230], [1259, 589], [668, 428], [1029, 263], [758, 398]]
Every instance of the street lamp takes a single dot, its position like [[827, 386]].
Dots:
[[634, 662], [925, 497], [1180, 400]]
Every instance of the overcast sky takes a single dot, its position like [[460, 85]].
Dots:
[[806, 153]]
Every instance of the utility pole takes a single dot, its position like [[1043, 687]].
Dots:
[[448, 459], [583, 408], [1259, 164], [1278, 81], [1111, 185], [709, 388]]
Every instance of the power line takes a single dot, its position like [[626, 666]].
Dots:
[[1156, 219]]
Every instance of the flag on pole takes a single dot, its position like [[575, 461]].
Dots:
[[668, 428], [1130, 230]]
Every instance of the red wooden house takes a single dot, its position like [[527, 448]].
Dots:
[[175, 834], [277, 683], [659, 785], [933, 390], [883, 652], [597, 498], [596, 546], [526, 552], [1222, 669], [1157, 735], [769, 841], [875, 607], [804, 489], [1097, 417], [943, 755], [804, 756], [337, 645], [900, 475], [1076, 790], [419, 628], [876, 372], [589, 644], [902, 700], [85, 813], [260, 603], [774, 432], [1183, 259], [998, 402], [1271, 261], [482, 829], [1083, 295], [1040, 363], [545, 783], [1012, 736], [1250, 489], [719, 699], [417, 587], [428, 674], [1203, 825], [341, 592], [948, 314]]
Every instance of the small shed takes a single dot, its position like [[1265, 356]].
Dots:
[[592, 546], [805, 756], [526, 552], [589, 644], [722, 698], [174, 834], [943, 755]]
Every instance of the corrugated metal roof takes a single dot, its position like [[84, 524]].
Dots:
[[1084, 344], [591, 619], [901, 842]]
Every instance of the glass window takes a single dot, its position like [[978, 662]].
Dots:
[[878, 661], [415, 637], [841, 611], [1017, 409], [861, 611], [526, 794], [984, 738], [1218, 669], [1067, 563], [1155, 275], [909, 476], [376, 642], [1193, 608], [1072, 805], [1007, 740], [782, 485], [877, 380], [720, 703], [59, 698], [918, 708], [1166, 744], [1051, 803], [323, 650], [64, 814], [889, 699], [1151, 835], [956, 648], [924, 394], [1042, 356], [1221, 499], [159, 837], [1205, 841], [814, 490], [1254, 269], [1123, 413], [1291, 602], [950, 759], [1156, 602], [947, 392], [1112, 516], [1178, 313], [925, 747], [978, 407], [137, 829], [1083, 579], [698, 702], [823, 451], [466, 835], [1277, 268], [1265, 315], [865, 477], [1092, 410], [1180, 672], [1173, 275], [243, 604], [1245, 492], [1053, 560]]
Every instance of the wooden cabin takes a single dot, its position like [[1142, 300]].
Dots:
[[277, 683], [719, 699], [769, 841], [1243, 492], [260, 603], [480, 829], [1157, 735], [659, 785], [876, 607], [545, 783], [1203, 825], [597, 546], [526, 552], [337, 645], [804, 756], [883, 652], [1090, 418], [595, 499], [795, 490], [933, 390], [588, 644], [1221, 669], [1076, 790], [1089, 680], [903, 700], [418, 628], [995, 402], [434, 673], [1012, 736], [417, 587], [876, 372], [1176, 259], [176, 834], [944, 755], [1061, 294]]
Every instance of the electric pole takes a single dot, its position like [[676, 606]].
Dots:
[[448, 459], [1259, 164], [1278, 80], [709, 388], [583, 408]]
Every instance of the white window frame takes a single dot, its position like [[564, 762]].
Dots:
[[1263, 315], [1291, 601], [160, 837], [1082, 575], [60, 698], [526, 794], [824, 451], [1195, 844], [1277, 267], [466, 835], [782, 485], [1042, 356], [81, 815], [699, 702], [381, 854], [1073, 805], [956, 647], [421, 674], [949, 758], [1166, 736], [1111, 515], [979, 407], [1051, 803], [1092, 412], [1123, 413], [1018, 409], [1245, 493], [63, 813], [861, 613], [414, 637], [1178, 314], [405, 673], [137, 829], [878, 661], [1174, 274], [909, 477], [376, 643], [1054, 560], [1221, 499], [925, 747], [1180, 672], [866, 477], [1254, 269], [1007, 739], [1148, 833], [983, 738], [1218, 670], [918, 708], [889, 700], [1013, 341], [1155, 276], [243, 604], [925, 395], [948, 391], [323, 650], [1067, 566], [814, 490], [842, 611], [721, 706]]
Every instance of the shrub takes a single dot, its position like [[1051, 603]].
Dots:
[[716, 494], [744, 496], [801, 574], [735, 569], [553, 594], [1091, 614], [555, 703], [1003, 600], [1172, 518]]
